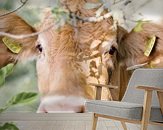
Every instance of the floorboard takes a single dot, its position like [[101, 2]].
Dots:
[[59, 121]]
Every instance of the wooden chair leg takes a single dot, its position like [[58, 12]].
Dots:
[[124, 125], [146, 110], [160, 98], [94, 122], [98, 93]]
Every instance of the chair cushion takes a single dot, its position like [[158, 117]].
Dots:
[[131, 111]]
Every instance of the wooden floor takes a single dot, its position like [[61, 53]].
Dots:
[[77, 121]]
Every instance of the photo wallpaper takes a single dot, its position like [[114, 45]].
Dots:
[[54, 53]]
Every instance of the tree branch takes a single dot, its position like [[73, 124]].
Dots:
[[25, 35]]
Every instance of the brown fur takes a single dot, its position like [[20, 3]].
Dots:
[[13, 24], [131, 47], [60, 60], [130, 52], [65, 49]]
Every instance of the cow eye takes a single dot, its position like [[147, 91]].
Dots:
[[39, 47], [111, 51]]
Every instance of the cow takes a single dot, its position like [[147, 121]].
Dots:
[[131, 51], [66, 57], [70, 57]]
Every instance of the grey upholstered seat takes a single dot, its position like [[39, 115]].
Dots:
[[131, 111], [131, 106]]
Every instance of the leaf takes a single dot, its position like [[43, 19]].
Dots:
[[9, 69], [104, 44], [95, 44], [99, 11], [149, 45], [57, 10], [92, 64], [2, 77], [60, 15], [97, 77], [20, 98], [95, 53], [3, 109], [138, 27], [103, 1], [5, 71], [12, 45], [92, 73], [100, 69], [91, 5], [9, 126], [23, 97]]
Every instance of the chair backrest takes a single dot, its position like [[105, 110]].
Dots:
[[143, 77]]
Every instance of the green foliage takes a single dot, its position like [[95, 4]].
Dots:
[[9, 126], [20, 98], [4, 72], [60, 15], [23, 97], [7, 70], [99, 11], [139, 26]]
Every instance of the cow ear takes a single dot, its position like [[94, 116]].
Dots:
[[14, 24], [121, 32]]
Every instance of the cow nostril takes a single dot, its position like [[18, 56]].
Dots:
[[39, 47]]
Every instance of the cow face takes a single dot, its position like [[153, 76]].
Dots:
[[68, 57], [71, 57], [58, 80]]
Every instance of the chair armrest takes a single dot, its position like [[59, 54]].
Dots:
[[159, 94], [99, 89], [150, 89], [103, 85], [148, 101], [146, 88]]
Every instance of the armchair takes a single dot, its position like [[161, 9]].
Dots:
[[137, 106]]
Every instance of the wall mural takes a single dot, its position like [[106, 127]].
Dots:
[[76, 45]]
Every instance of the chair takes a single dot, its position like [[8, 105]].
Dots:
[[99, 89], [137, 106]]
